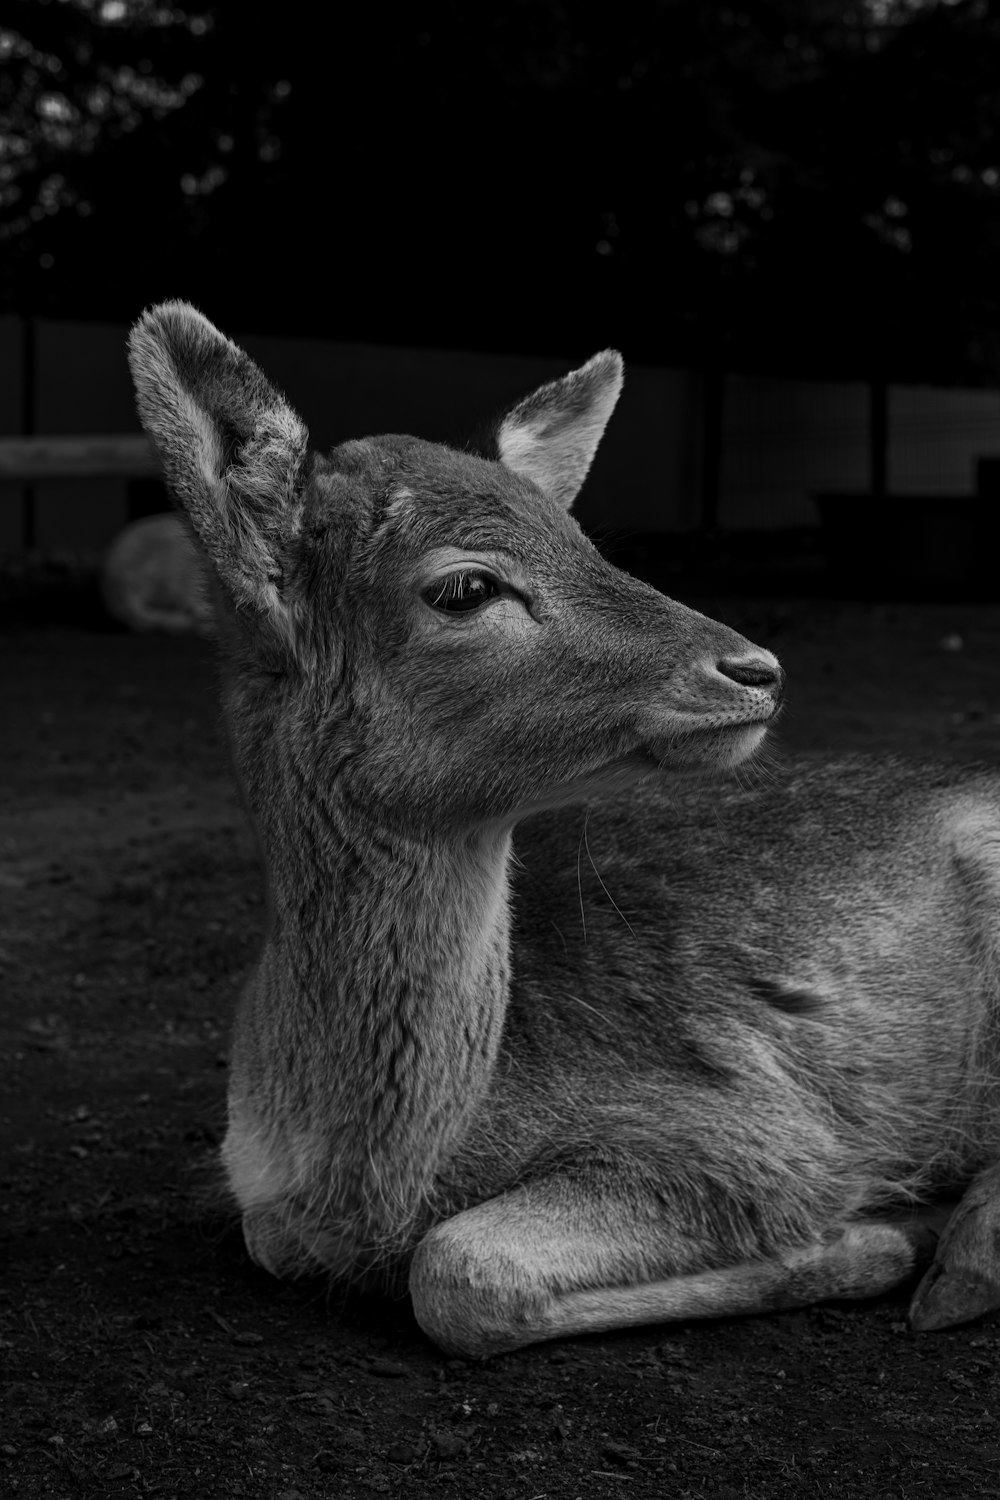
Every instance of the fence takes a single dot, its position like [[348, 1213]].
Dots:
[[781, 440]]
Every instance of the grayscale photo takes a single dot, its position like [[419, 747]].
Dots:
[[499, 750]]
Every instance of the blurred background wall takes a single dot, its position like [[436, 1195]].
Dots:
[[782, 440]]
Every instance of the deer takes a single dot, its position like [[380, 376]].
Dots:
[[150, 579], [565, 1018]]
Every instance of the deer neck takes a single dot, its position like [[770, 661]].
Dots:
[[384, 981]]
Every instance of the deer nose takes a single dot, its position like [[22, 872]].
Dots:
[[759, 669]]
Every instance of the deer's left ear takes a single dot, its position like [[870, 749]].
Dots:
[[234, 454], [551, 436]]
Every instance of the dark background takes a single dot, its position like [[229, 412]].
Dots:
[[805, 188], [800, 189]]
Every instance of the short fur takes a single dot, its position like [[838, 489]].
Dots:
[[672, 1048]]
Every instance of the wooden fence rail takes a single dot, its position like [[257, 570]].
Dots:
[[125, 455]]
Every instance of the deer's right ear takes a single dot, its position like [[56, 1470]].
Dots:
[[551, 436], [233, 452]]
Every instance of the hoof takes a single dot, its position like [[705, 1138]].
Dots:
[[267, 1242], [947, 1297]]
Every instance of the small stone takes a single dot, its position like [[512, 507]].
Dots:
[[388, 1369], [449, 1444], [330, 1463], [404, 1452], [620, 1453]]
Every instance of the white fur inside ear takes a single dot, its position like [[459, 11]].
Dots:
[[194, 388], [548, 458], [552, 436], [208, 455]]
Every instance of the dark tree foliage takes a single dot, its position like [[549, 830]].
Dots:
[[120, 121], [777, 184]]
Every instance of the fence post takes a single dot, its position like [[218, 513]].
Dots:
[[713, 404], [29, 359], [878, 434]]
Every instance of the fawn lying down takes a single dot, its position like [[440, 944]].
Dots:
[[579, 1039]]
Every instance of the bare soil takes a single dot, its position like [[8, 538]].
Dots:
[[143, 1355]]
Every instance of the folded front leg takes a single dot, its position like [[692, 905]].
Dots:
[[526, 1267]]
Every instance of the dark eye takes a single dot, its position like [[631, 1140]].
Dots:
[[460, 593]]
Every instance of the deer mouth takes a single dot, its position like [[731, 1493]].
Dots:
[[713, 745], [693, 748]]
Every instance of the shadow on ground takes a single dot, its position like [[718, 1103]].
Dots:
[[142, 1355]]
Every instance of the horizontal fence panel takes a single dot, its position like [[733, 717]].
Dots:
[[79, 456]]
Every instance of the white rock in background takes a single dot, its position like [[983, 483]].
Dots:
[[151, 579]]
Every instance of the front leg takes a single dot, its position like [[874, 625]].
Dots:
[[547, 1261], [964, 1280]]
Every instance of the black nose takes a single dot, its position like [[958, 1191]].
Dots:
[[753, 671]]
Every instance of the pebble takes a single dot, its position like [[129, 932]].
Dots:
[[620, 1453], [449, 1444], [330, 1463], [388, 1369], [403, 1452]]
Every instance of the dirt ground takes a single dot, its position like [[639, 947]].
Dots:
[[143, 1355]]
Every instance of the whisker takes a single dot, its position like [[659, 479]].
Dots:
[[597, 872], [579, 882]]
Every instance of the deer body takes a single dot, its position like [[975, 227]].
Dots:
[[577, 1038]]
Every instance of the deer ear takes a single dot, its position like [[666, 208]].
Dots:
[[551, 436], [233, 452]]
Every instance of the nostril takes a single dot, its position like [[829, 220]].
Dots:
[[752, 671]]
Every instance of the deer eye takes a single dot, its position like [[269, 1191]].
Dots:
[[460, 593]]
